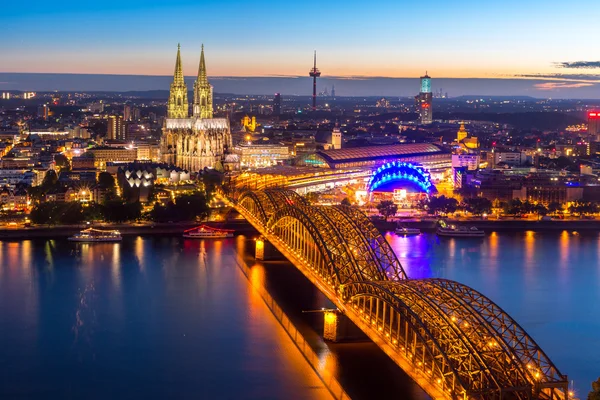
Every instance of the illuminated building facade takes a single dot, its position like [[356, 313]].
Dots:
[[199, 141], [261, 155], [424, 101], [249, 123], [115, 128], [277, 104], [462, 133], [594, 126]]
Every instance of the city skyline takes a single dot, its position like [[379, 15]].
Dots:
[[465, 40]]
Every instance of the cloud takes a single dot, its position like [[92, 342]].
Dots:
[[561, 85], [578, 64], [563, 77]]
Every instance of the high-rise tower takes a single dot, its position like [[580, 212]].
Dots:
[[203, 92], [424, 101], [314, 73], [277, 104], [177, 106]]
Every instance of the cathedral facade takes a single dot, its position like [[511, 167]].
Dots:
[[197, 141]]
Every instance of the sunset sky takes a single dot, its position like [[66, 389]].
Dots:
[[263, 38]]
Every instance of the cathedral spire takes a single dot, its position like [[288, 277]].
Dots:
[[203, 95], [202, 75], [177, 106], [178, 76]]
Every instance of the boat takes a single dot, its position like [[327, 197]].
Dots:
[[405, 231], [96, 235], [449, 230], [207, 232]]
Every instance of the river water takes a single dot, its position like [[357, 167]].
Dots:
[[154, 317]]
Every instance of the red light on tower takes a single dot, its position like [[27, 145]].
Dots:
[[594, 115]]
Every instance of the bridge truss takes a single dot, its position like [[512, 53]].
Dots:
[[452, 340]]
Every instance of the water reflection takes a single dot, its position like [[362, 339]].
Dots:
[[549, 282], [140, 314]]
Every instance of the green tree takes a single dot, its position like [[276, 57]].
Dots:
[[478, 205], [442, 204], [62, 162], [595, 393], [540, 210], [387, 208], [107, 182], [554, 207], [119, 211], [191, 206], [50, 180]]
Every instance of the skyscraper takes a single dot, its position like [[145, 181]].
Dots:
[[116, 128], [594, 126], [127, 112], [424, 101], [277, 104], [332, 90]]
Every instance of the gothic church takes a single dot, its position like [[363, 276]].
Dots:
[[199, 141]]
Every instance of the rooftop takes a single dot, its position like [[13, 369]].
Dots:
[[360, 153]]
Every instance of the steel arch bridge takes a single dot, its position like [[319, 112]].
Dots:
[[452, 340]]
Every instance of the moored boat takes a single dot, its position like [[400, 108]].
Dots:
[[207, 232], [91, 235], [405, 231], [451, 230]]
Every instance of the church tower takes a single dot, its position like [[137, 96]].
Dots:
[[203, 92], [177, 107]]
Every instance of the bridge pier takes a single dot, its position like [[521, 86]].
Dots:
[[337, 327], [264, 250]]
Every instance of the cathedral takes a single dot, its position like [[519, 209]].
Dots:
[[197, 141]]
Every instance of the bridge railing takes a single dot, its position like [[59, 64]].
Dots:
[[328, 379]]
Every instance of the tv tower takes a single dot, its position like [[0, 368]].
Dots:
[[314, 73]]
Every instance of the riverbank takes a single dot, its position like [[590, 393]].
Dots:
[[243, 227], [131, 229], [499, 225]]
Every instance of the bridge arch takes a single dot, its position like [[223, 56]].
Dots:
[[400, 171], [450, 338]]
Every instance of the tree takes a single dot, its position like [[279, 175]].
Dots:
[[346, 202], [186, 207], [442, 204], [118, 211], [50, 180], [62, 162], [387, 208], [478, 205], [57, 213], [554, 207], [595, 393], [107, 182], [540, 210]]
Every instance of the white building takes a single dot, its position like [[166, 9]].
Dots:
[[261, 155], [511, 158], [471, 161]]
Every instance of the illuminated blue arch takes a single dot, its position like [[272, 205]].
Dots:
[[401, 171]]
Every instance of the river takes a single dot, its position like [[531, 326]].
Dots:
[[158, 317]]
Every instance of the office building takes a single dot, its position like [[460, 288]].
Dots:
[[277, 104], [116, 128], [424, 101]]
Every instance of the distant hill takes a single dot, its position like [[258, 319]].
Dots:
[[526, 120]]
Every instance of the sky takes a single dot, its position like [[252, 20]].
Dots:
[[555, 40]]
